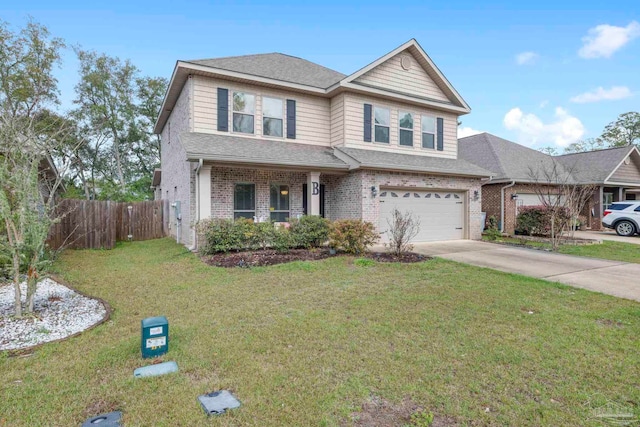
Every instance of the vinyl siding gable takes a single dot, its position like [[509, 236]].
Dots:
[[390, 75], [628, 173], [313, 113]]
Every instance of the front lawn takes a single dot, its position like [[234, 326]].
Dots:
[[311, 342], [615, 251], [608, 249]]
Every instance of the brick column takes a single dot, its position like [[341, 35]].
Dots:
[[204, 192]]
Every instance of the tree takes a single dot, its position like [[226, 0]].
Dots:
[[624, 131], [116, 111], [562, 197], [27, 87], [589, 144], [551, 151]]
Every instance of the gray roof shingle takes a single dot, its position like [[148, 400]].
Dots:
[[511, 161], [407, 162], [506, 159], [594, 166], [277, 66], [237, 149]]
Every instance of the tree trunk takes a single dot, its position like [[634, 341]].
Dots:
[[16, 283]]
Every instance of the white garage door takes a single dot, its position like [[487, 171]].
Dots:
[[441, 213]]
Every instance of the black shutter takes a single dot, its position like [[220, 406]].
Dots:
[[367, 122], [223, 109], [440, 134], [304, 199], [291, 119]]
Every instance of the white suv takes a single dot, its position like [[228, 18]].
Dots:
[[624, 217]]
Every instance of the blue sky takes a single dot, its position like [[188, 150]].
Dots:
[[543, 74]]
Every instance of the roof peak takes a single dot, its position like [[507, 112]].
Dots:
[[624, 147]]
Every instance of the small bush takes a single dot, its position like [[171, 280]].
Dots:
[[282, 240], [403, 227], [218, 235], [536, 220], [310, 231], [353, 236], [492, 231]]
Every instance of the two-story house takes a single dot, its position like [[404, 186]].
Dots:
[[272, 137]]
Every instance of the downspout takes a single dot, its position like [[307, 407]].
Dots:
[[502, 221], [194, 246]]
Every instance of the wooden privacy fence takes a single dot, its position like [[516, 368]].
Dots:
[[93, 224]]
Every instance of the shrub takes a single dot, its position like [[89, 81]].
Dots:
[[218, 235], [310, 231], [492, 232], [282, 240], [536, 220], [265, 234], [353, 236], [403, 227]]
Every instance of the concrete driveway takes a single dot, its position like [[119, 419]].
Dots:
[[615, 278], [607, 235]]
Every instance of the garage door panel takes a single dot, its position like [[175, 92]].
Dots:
[[441, 213]]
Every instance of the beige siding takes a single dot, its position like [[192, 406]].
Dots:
[[628, 173], [313, 114], [337, 120], [415, 81], [354, 125]]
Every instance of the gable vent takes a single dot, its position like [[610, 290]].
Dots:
[[405, 62]]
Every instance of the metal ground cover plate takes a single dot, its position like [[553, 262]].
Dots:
[[112, 419], [218, 402]]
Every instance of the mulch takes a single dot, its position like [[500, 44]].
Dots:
[[266, 257]]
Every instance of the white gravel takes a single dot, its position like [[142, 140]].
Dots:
[[58, 313]]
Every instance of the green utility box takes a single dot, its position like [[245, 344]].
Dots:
[[155, 336]]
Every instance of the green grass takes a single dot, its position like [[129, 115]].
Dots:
[[611, 250], [615, 251], [307, 343]]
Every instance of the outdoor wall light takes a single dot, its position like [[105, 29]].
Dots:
[[476, 195], [514, 196], [374, 191]]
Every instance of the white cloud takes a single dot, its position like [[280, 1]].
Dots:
[[526, 58], [544, 103], [532, 131], [467, 131], [601, 94], [603, 40]]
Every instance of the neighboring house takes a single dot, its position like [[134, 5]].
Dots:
[[615, 172], [273, 136]]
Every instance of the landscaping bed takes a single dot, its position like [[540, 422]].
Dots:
[[59, 312], [266, 257]]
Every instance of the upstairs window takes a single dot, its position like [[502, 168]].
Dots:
[[428, 132], [243, 112], [244, 201], [279, 206], [382, 120], [405, 120], [272, 113]]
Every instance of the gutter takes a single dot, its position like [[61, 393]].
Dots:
[[502, 204]]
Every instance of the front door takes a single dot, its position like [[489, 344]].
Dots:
[[304, 199]]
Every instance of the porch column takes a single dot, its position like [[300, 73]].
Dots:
[[601, 204], [620, 194], [204, 192], [313, 193]]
